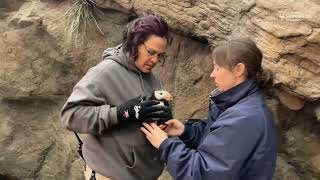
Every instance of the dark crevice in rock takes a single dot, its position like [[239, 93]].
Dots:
[[8, 177], [196, 81], [43, 158]]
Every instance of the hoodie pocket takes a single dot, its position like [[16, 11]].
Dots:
[[133, 161]]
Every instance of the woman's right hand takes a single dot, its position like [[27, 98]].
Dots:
[[174, 127]]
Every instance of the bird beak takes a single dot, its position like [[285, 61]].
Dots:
[[168, 97]]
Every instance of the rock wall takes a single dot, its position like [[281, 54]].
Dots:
[[32, 143], [287, 33], [37, 59], [39, 68]]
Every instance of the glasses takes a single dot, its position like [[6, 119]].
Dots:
[[152, 53]]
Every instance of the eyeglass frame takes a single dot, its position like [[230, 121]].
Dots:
[[151, 53]]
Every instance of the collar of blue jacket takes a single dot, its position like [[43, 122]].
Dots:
[[230, 97]]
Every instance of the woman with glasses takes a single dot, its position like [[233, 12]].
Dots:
[[107, 104], [238, 140]]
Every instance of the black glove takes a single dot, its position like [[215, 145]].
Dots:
[[143, 111], [161, 96], [167, 115]]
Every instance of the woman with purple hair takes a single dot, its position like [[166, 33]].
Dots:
[[107, 106]]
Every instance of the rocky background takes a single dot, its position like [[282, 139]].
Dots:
[[39, 67]]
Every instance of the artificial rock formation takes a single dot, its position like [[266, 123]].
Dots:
[[287, 33], [39, 68], [36, 59]]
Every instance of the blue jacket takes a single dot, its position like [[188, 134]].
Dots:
[[237, 142]]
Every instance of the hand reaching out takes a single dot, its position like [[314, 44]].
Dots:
[[154, 134], [174, 127]]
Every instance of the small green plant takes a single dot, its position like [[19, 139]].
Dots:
[[81, 15]]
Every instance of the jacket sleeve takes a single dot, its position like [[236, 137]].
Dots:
[[193, 132], [86, 111], [221, 154]]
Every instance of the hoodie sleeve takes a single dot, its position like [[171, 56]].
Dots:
[[220, 155], [86, 111]]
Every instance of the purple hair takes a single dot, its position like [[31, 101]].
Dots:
[[140, 29]]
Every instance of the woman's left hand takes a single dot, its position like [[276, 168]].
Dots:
[[154, 134]]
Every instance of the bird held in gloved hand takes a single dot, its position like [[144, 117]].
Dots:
[[165, 98], [162, 95]]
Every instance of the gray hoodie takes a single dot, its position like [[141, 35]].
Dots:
[[117, 150]]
